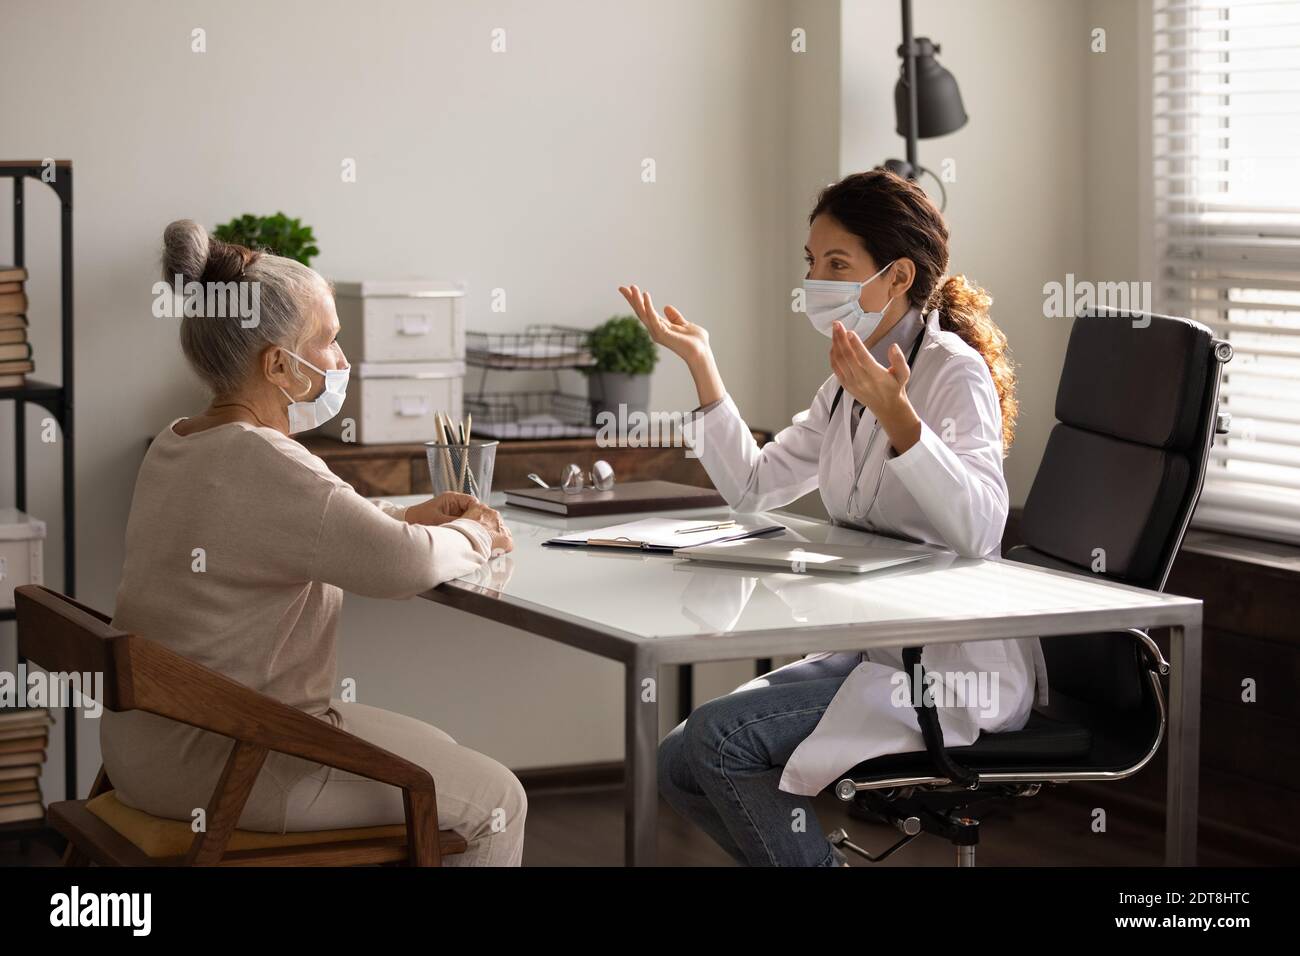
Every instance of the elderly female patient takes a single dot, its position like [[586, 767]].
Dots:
[[239, 546]]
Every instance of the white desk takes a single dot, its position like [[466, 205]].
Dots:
[[648, 610]]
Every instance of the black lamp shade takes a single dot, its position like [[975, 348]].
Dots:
[[939, 108]]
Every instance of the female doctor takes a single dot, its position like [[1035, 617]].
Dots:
[[906, 438]]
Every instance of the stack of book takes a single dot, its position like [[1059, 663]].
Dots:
[[24, 732], [15, 350]]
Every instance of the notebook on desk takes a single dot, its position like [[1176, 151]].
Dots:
[[664, 534], [624, 498]]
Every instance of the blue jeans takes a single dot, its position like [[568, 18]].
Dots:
[[720, 767]]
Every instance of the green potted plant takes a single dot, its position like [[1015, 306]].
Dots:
[[624, 355], [278, 235]]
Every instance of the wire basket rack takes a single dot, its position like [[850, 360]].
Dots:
[[538, 346], [547, 414]]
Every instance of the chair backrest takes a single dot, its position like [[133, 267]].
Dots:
[[1137, 411], [63, 635]]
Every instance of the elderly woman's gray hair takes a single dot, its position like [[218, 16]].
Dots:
[[224, 350]]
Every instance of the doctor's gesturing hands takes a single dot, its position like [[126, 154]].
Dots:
[[882, 390], [685, 339]]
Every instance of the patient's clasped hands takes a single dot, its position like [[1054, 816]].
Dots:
[[454, 504]]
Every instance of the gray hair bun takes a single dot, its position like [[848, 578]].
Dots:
[[185, 250], [189, 250]]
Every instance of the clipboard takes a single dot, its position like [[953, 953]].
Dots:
[[662, 535]]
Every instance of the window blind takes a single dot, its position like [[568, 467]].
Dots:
[[1226, 185]]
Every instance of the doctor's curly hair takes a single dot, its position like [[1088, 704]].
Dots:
[[895, 219]]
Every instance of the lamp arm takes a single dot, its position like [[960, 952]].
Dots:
[[943, 193]]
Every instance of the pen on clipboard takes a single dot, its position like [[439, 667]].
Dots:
[[706, 527]]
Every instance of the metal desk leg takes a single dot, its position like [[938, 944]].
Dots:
[[640, 753], [685, 690], [1184, 751]]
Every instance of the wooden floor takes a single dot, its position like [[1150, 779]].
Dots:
[[585, 828], [577, 829]]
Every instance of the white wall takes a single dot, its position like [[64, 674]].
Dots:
[[518, 170], [1117, 184], [522, 171], [815, 92]]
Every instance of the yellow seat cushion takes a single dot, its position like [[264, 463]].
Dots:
[[160, 837]]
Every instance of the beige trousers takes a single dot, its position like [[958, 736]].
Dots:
[[170, 769], [477, 797]]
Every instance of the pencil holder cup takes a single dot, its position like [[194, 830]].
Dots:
[[461, 467]]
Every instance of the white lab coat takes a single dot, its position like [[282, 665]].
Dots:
[[947, 490]]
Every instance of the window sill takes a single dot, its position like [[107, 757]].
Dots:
[[1275, 555]]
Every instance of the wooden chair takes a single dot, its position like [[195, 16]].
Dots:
[[62, 635]]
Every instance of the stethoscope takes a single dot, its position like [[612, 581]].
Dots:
[[866, 454]]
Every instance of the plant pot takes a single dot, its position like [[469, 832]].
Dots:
[[609, 390]]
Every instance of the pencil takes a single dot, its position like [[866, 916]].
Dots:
[[451, 454], [469, 427], [445, 439], [464, 461]]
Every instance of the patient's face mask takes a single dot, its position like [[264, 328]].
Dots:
[[826, 300], [307, 415]]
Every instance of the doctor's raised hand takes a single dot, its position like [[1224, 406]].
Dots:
[[686, 339], [882, 390]]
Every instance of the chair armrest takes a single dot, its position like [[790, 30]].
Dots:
[[1148, 648], [927, 716], [160, 681]]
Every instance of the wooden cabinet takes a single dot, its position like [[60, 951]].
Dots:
[[375, 470]]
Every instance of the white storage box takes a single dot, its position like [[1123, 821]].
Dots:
[[21, 546], [397, 401], [405, 320]]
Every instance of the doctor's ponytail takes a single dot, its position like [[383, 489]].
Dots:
[[964, 309], [895, 219]]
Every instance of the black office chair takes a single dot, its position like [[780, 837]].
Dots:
[[1137, 410]]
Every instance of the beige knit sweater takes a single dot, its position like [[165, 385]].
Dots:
[[239, 546]]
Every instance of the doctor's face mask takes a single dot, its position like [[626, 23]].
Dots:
[[826, 300], [844, 271]]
